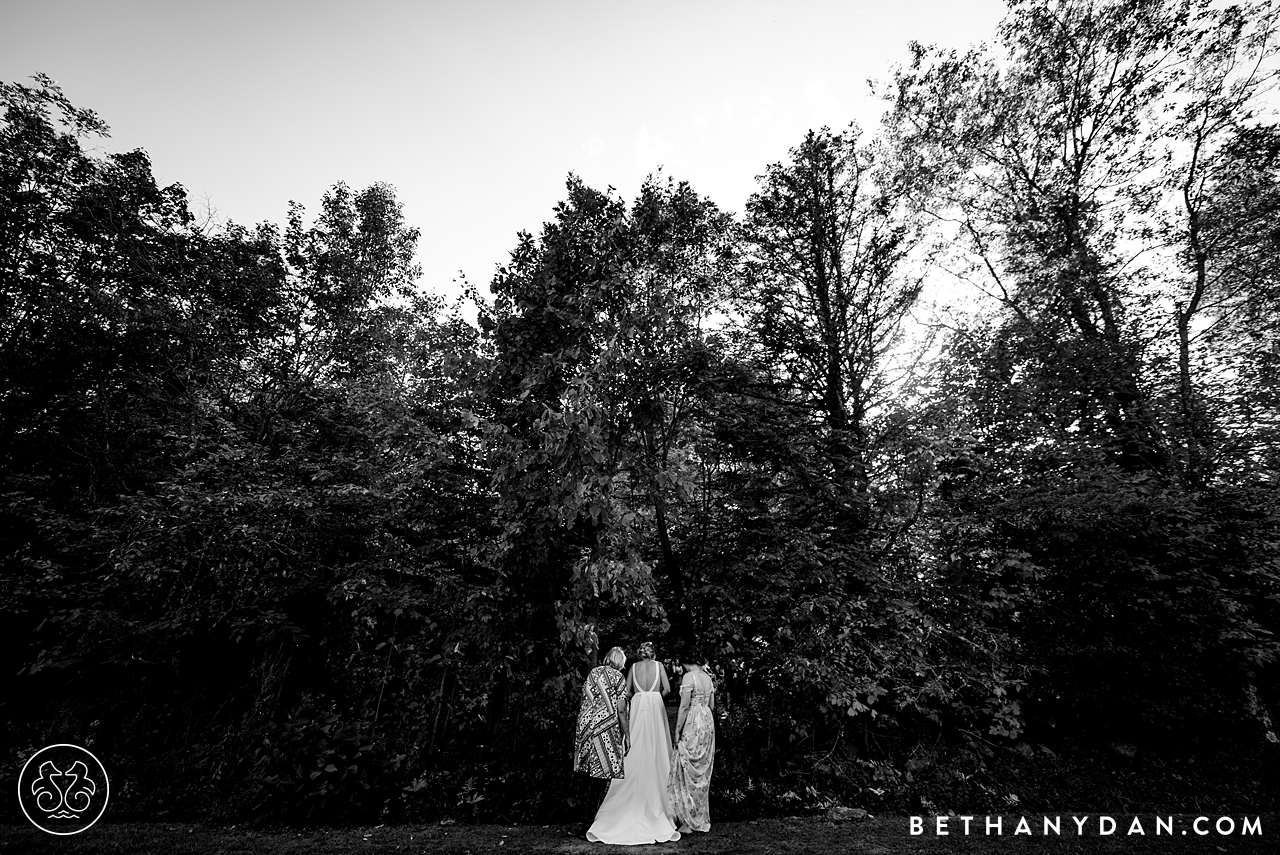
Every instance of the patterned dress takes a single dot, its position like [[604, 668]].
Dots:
[[689, 788], [597, 748]]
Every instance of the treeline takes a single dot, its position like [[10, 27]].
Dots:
[[284, 536]]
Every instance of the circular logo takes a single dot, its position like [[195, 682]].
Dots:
[[63, 789]]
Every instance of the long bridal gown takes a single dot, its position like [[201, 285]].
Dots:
[[636, 810]]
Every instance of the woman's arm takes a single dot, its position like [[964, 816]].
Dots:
[[624, 722], [666, 684], [686, 692]]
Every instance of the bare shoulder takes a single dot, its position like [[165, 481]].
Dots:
[[701, 681]]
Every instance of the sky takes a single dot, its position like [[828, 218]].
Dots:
[[476, 112]]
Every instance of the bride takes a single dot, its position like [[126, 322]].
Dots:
[[636, 809]]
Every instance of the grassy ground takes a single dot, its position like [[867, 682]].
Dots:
[[881, 835]]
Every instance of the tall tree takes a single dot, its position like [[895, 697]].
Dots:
[[1076, 167], [1032, 152], [1220, 138], [600, 335], [828, 283]]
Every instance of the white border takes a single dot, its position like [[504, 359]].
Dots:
[[105, 778]]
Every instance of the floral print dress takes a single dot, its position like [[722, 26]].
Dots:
[[689, 788]]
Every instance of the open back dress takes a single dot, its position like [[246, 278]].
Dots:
[[636, 811]]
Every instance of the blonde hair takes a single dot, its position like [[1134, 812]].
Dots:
[[616, 657], [646, 650]]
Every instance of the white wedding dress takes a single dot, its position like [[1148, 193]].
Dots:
[[636, 810]]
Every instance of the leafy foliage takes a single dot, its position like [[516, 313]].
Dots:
[[288, 538]]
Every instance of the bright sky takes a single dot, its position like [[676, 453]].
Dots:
[[475, 111]]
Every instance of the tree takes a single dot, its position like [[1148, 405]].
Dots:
[[1031, 155], [243, 515], [1079, 168], [600, 338], [1050, 161], [1219, 143], [827, 286], [116, 308]]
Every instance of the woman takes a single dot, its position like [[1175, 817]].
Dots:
[[689, 787], [601, 740], [635, 810]]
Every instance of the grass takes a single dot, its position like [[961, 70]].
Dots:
[[877, 836]]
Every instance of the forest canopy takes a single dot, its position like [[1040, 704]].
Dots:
[[287, 535]]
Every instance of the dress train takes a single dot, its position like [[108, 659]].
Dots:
[[636, 809]]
